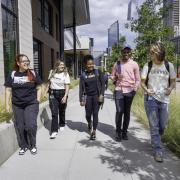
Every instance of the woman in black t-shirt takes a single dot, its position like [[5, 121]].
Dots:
[[91, 92], [22, 86]]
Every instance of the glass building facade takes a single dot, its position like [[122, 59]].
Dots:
[[10, 37]]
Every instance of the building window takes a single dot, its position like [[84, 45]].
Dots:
[[9, 28], [10, 5], [57, 28], [39, 11], [45, 15], [37, 57]]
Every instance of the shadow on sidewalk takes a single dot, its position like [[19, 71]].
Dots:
[[45, 119], [107, 129], [79, 126], [134, 157]]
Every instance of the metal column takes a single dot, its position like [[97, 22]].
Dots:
[[61, 29], [74, 39]]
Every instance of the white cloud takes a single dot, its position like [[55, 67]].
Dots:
[[102, 14]]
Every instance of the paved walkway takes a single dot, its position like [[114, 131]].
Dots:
[[71, 156]]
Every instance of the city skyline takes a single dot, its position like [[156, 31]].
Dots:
[[103, 14]]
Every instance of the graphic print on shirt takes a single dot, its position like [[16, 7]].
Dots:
[[20, 80]]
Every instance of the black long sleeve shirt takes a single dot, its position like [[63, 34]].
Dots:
[[91, 83]]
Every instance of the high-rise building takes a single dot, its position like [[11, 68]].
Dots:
[[132, 10], [173, 16]]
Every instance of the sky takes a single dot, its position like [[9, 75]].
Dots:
[[103, 13]]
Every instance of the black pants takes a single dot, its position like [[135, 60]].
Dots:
[[57, 109], [25, 121], [123, 108], [92, 108]]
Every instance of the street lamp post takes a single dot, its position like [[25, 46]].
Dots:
[[105, 59]]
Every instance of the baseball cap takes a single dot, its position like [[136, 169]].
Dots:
[[127, 46]]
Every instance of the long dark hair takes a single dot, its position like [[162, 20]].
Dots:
[[31, 76]]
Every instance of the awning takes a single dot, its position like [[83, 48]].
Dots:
[[82, 12]]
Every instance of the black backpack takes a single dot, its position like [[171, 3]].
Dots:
[[166, 63]]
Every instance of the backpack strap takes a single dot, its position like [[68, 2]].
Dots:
[[166, 63], [118, 67], [12, 74], [97, 72], [33, 72], [149, 69]]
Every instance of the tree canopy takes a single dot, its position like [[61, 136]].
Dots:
[[150, 29]]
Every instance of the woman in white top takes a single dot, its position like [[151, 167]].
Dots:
[[58, 93]]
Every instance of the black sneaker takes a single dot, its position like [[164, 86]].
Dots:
[[124, 136], [118, 136], [22, 151], [93, 136], [34, 150], [89, 126]]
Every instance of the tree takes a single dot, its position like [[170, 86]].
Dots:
[[151, 29], [116, 53]]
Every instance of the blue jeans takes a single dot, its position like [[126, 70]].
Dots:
[[157, 113]]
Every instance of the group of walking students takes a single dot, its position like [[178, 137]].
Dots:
[[157, 79]]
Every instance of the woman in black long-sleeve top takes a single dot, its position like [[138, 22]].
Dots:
[[91, 93]]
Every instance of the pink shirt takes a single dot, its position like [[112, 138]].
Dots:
[[131, 76]]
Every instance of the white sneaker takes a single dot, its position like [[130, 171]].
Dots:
[[22, 151], [61, 129], [34, 150], [53, 135]]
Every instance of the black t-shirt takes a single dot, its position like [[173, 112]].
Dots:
[[91, 84], [23, 91]]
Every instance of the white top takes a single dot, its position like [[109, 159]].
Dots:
[[59, 80], [159, 80]]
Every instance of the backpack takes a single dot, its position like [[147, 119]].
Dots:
[[150, 64], [13, 72]]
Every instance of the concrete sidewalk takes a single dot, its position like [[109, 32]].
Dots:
[[72, 156]]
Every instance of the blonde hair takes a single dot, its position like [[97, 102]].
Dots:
[[56, 69], [159, 50]]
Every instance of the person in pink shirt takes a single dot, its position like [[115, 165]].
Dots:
[[126, 77]]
